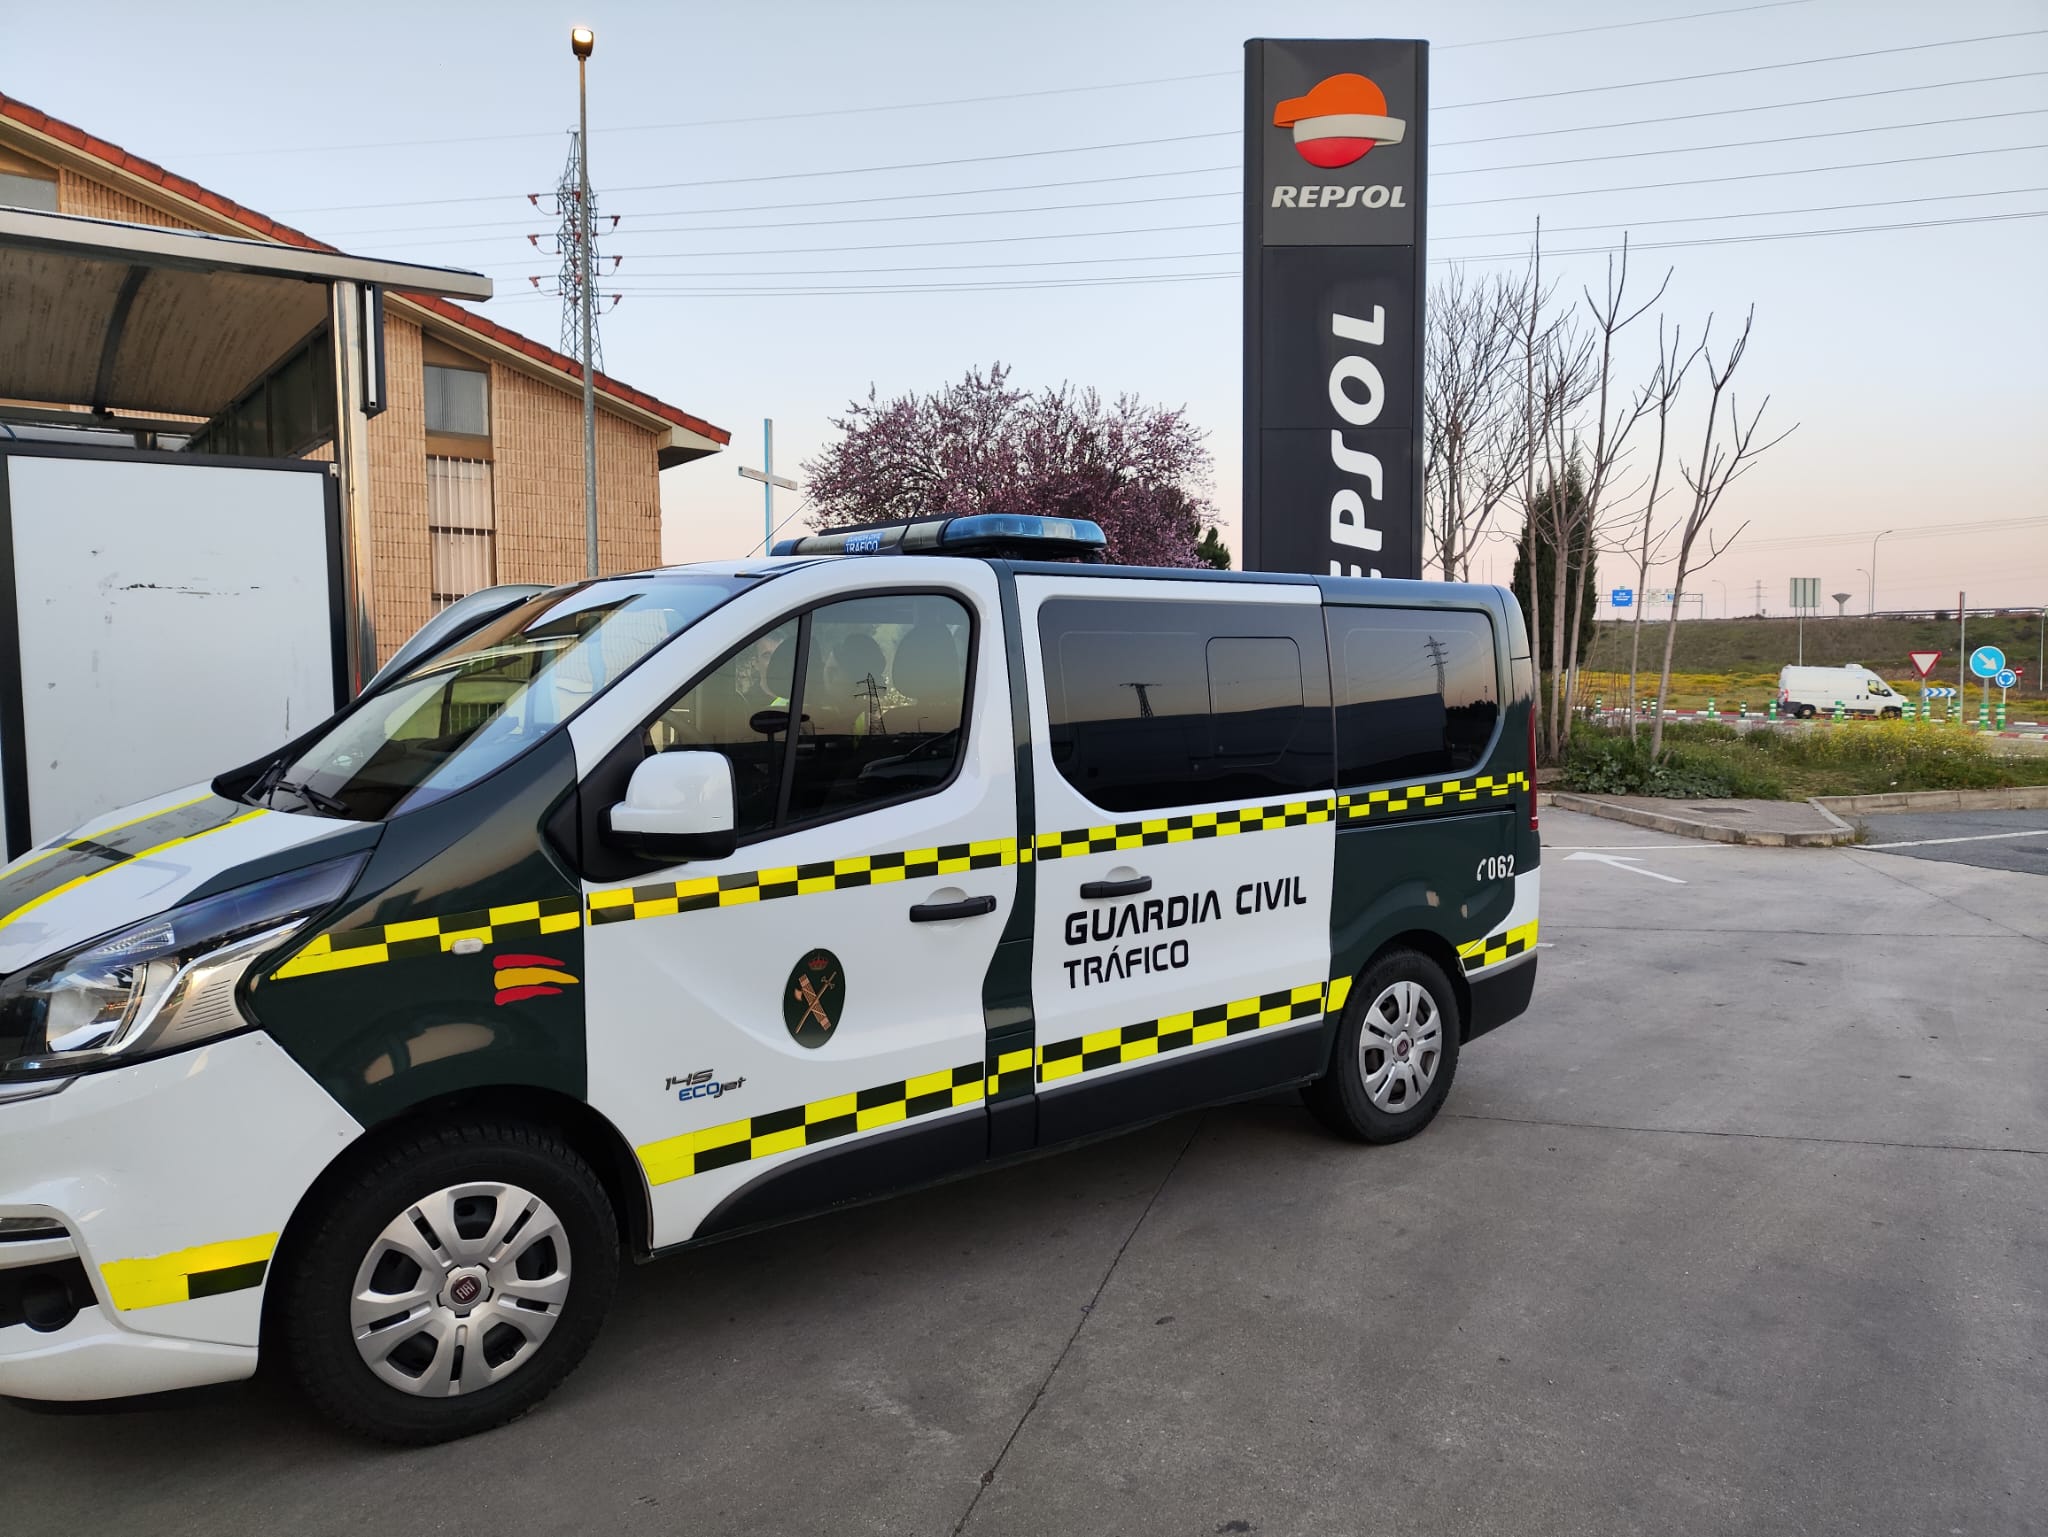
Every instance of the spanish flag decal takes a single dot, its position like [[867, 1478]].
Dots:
[[520, 977]]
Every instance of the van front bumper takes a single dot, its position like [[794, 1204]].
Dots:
[[139, 1208]]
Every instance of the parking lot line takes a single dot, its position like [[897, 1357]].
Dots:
[[1921, 843]]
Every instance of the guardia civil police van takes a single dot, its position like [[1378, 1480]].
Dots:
[[634, 914]]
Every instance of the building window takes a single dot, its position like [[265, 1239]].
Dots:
[[458, 401], [37, 192], [463, 527]]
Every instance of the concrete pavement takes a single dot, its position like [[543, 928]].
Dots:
[[1744, 1228]]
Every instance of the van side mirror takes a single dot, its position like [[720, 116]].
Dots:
[[679, 805]]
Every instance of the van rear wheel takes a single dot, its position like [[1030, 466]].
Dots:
[[452, 1283], [1396, 1051]]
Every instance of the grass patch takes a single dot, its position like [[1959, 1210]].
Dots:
[[1706, 761]]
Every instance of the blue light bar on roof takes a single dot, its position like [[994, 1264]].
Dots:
[[1012, 535]]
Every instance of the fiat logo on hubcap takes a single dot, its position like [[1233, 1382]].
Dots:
[[1401, 1048], [466, 1290]]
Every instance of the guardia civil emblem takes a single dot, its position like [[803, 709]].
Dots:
[[813, 998]]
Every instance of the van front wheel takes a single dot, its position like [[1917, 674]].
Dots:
[[452, 1283], [1396, 1052]]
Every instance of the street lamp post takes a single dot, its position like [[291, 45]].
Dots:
[[581, 41], [1873, 570]]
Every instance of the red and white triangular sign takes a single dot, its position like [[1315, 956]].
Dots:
[[1923, 661]]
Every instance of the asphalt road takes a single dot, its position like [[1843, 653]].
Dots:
[[1994, 840], [1743, 1229]]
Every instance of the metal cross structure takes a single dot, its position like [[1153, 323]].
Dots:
[[769, 481], [569, 237]]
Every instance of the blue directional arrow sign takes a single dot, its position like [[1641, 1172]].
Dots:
[[2005, 677], [1622, 597], [1987, 661]]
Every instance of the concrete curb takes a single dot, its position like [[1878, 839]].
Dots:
[[1692, 827], [2013, 798]]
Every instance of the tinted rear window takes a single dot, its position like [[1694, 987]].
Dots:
[[1418, 692], [1179, 704]]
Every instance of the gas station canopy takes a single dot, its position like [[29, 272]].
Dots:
[[131, 319]]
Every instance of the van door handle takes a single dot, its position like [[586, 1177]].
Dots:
[[1095, 890], [939, 912]]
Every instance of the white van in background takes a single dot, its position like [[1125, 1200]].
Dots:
[[1804, 692]]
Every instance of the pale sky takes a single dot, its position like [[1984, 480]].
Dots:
[[739, 142]]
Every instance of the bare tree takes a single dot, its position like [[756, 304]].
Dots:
[[1473, 430], [1660, 396], [1724, 455], [1611, 431], [1567, 382]]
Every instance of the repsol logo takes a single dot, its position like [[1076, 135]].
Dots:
[[1358, 394], [1339, 196]]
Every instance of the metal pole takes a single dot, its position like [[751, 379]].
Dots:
[[351, 470], [1873, 570], [589, 321], [1962, 657], [767, 482]]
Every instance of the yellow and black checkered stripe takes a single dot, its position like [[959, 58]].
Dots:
[[740, 887], [1182, 829], [349, 948], [1010, 1071], [1499, 947], [1198, 1027], [780, 1131], [208, 1270], [1443, 792]]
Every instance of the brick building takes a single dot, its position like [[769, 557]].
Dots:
[[476, 463]]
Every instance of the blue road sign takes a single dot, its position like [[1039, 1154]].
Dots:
[[1622, 597], [2005, 677], [1987, 661]]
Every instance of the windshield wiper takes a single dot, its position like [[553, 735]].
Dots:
[[317, 799]]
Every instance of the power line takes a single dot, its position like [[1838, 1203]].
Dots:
[[1158, 229], [1186, 197], [1148, 279], [955, 101], [1980, 526], [1787, 138], [1091, 181], [1080, 149], [627, 280]]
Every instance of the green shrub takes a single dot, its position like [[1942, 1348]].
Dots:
[[1697, 765]]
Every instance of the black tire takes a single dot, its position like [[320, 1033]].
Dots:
[[1806, 712], [1341, 1099], [1890, 714], [315, 1326]]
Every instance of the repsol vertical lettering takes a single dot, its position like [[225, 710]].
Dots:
[[1357, 395]]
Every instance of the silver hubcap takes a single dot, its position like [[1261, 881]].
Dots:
[[1399, 1047], [460, 1290]]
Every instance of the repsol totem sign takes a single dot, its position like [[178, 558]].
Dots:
[[1335, 158]]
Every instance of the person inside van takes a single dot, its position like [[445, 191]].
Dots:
[[856, 681]]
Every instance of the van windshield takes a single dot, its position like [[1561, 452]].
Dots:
[[476, 706]]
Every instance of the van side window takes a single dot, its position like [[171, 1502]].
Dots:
[[741, 709], [1418, 692], [884, 694], [1176, 704]]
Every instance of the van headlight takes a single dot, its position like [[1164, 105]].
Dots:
[[159, 985]]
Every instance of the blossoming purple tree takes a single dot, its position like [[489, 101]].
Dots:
[[983, 445]]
